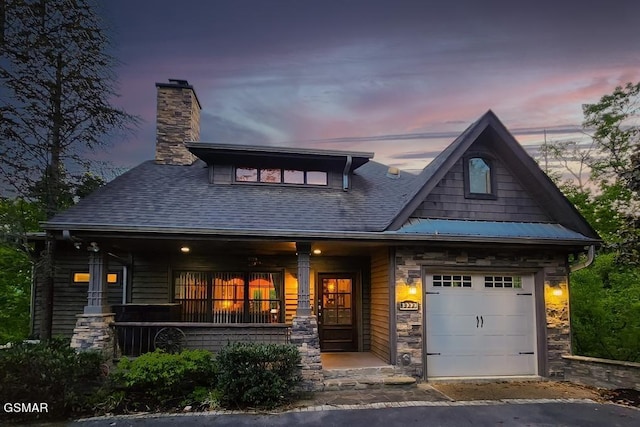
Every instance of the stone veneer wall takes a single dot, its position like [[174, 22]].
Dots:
[[178, 121], [603, 373], [94, 332], [410, 262], [304, 335]]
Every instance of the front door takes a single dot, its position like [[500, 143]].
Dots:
[[336, 313]]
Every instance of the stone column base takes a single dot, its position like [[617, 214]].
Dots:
[[304, 335], [94, 332]]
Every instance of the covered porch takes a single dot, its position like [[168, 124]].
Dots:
[[206, 293]]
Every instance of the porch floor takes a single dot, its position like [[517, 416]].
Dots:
[[351, 360]]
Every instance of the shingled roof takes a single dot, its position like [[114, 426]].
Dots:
[[179, 199]]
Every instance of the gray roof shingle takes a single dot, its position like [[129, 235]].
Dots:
[[166, 196]]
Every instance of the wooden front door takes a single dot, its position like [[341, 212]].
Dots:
[[336, 312]]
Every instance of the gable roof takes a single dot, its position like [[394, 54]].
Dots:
[[156, 198], [538, 183]]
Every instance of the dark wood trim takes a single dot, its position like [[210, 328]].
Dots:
[[393, 337], [541, 323]]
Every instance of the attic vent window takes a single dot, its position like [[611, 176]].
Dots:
[[479, 178], [280, 176]]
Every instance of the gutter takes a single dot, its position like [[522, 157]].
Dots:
[[345, 173], [591, 254], [306, 234]]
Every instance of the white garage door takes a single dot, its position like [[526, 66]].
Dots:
[[480, 325]]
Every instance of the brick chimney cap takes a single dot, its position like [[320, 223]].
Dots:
[[179, 82]]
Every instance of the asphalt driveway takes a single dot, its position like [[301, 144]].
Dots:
[[579, 413]]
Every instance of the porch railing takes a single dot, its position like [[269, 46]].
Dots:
[[136, 338]]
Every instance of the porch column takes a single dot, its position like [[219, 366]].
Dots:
[[93, 329], [304, 271], [304, 329], [97, 294]]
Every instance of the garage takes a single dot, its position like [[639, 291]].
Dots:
[[479, 325]]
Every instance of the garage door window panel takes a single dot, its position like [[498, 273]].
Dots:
[[513, 282], [451, 281]]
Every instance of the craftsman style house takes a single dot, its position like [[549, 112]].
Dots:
[[458, 271]]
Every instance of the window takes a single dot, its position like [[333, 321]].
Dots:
[[316, 178], [247, 174], [271, 175], [230, 297], [451, 281], [279, 176], [479, 179], [293, 176], [82, 277], [503, 282]]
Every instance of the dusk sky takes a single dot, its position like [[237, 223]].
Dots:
[[399, 78]]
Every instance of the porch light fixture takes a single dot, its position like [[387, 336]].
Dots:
[[413, 289], [556, 290], [185, 249], [93, 247], [317, 251]]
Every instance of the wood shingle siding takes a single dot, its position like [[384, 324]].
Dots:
[[513, 203], [380, 304]]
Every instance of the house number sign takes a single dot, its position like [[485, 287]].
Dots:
[[408, 306]]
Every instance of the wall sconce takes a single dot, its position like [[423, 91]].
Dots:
[[93, 247], [556, 290], [413, 289], [185, 249]]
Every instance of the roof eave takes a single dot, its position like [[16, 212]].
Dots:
[[387, 236]]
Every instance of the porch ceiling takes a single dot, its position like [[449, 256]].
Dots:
[[229, 247]]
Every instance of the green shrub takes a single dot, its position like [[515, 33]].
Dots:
[[162, 380], [605, 310], [257, 375], [49, 372]]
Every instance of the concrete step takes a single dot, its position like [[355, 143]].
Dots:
[[366, 382], [387, 370]]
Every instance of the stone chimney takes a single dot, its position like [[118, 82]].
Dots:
[[178, 121]]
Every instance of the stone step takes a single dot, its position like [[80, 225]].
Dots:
[[360, 372], [366, 382]]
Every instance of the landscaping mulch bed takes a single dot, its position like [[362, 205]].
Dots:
[[623, 396]]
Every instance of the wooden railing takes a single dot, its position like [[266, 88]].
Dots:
[[136, 338]]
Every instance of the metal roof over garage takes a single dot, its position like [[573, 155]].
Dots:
[[490, 229]]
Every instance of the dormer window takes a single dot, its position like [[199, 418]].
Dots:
[[479, 178], [280, 176]]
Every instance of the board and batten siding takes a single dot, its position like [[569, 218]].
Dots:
[[150, 279], [513, 202], [69, 299], [380, 304]]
